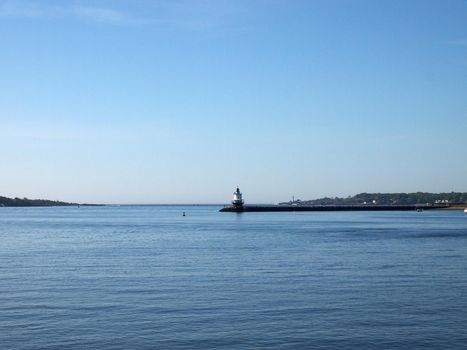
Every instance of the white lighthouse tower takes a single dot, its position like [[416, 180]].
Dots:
[[237, 200]]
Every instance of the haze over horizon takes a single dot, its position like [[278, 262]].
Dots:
[[181, 101]]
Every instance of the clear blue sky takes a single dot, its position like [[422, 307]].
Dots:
[[147, 101]]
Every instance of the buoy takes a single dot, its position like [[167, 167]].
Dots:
[[183, 213]]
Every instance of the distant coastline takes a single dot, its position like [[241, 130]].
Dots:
[[450, 199], [26, 202]]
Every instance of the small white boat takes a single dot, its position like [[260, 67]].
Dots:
[[465, 210]]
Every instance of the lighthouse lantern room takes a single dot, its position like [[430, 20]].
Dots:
[[237, 200]]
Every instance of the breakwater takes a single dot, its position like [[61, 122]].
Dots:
[[363, 207]]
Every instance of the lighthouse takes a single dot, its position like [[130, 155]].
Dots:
[[237, 200]]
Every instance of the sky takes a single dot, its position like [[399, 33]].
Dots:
[[146, 101]]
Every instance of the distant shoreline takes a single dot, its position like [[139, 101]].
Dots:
[[26, 202]]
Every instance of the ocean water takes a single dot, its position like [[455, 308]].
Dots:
[[145, 277]]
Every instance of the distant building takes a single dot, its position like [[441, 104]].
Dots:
[[237, 200]]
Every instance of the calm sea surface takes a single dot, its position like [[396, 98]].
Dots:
[[145, 277]]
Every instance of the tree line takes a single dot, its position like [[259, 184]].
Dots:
[[26, 202], [389, 199]]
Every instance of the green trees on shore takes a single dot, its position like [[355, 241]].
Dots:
[[26, 202], [389, 198]]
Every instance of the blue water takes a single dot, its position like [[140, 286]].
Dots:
[[145, 277]]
